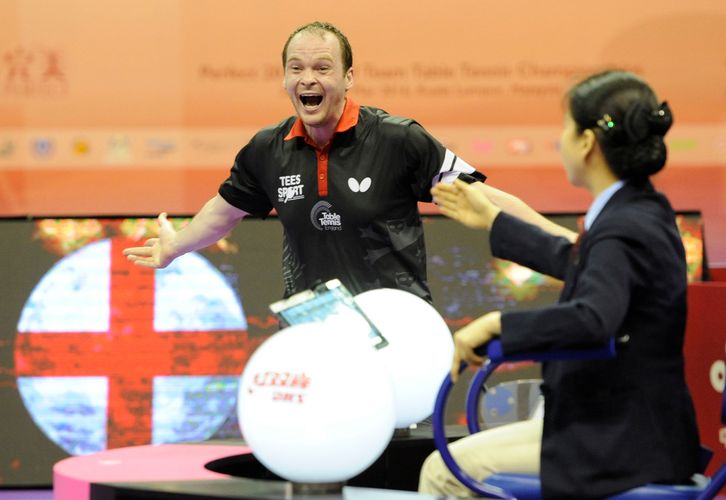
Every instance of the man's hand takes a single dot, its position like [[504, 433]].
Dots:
[[475, 334], [158, 252], [466, 204]]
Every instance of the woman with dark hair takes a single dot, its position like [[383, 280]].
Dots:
[[609, 425]]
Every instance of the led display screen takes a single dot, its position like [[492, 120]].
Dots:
[[96, 353]]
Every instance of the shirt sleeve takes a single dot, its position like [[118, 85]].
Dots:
[[430, 162], [242, 188]]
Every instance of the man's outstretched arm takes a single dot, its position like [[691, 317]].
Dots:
[[212, 222]]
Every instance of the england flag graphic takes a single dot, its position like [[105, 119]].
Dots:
[[109, 354]]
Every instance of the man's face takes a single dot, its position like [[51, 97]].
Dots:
[[315, 79]]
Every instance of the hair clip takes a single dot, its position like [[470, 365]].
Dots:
[[606, 122], [661, 119]]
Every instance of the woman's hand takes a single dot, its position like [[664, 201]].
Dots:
[[475, 334], [465, 203]]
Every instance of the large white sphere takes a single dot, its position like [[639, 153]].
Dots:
[[419, 353], [316, 404]]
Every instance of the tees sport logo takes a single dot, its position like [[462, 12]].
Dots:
[[290, 188]]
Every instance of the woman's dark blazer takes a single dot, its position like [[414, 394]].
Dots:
[[609, 425]]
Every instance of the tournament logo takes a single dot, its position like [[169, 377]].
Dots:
[[81, 147], [119, 149], [6, 149], [158, 147], [324, 219], [42, 147], [483, 146], [519, 146], [290, 188]]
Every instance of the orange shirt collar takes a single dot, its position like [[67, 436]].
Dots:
[[348, 120]]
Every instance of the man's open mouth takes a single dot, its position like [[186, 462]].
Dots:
[[311, 100]]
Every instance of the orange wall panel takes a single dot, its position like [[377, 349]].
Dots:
[[102, 103]]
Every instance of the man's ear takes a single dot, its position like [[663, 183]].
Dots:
[[349, 78]]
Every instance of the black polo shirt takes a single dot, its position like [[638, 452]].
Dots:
[[349, 211]]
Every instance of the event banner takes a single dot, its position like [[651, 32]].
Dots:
[[180, 84], [134, 107]]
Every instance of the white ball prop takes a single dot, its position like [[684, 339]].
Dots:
[[316, 404], [419, 353]]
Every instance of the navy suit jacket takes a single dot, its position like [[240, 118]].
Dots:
[[609, 425]]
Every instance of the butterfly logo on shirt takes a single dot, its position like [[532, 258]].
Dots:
[[359, 187]]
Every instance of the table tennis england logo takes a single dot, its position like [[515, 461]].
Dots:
[[323, 217], [282, 386]]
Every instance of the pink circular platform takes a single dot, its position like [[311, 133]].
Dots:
[[72, 477]]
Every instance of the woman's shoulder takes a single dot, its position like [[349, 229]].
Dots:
[[642, 218]]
